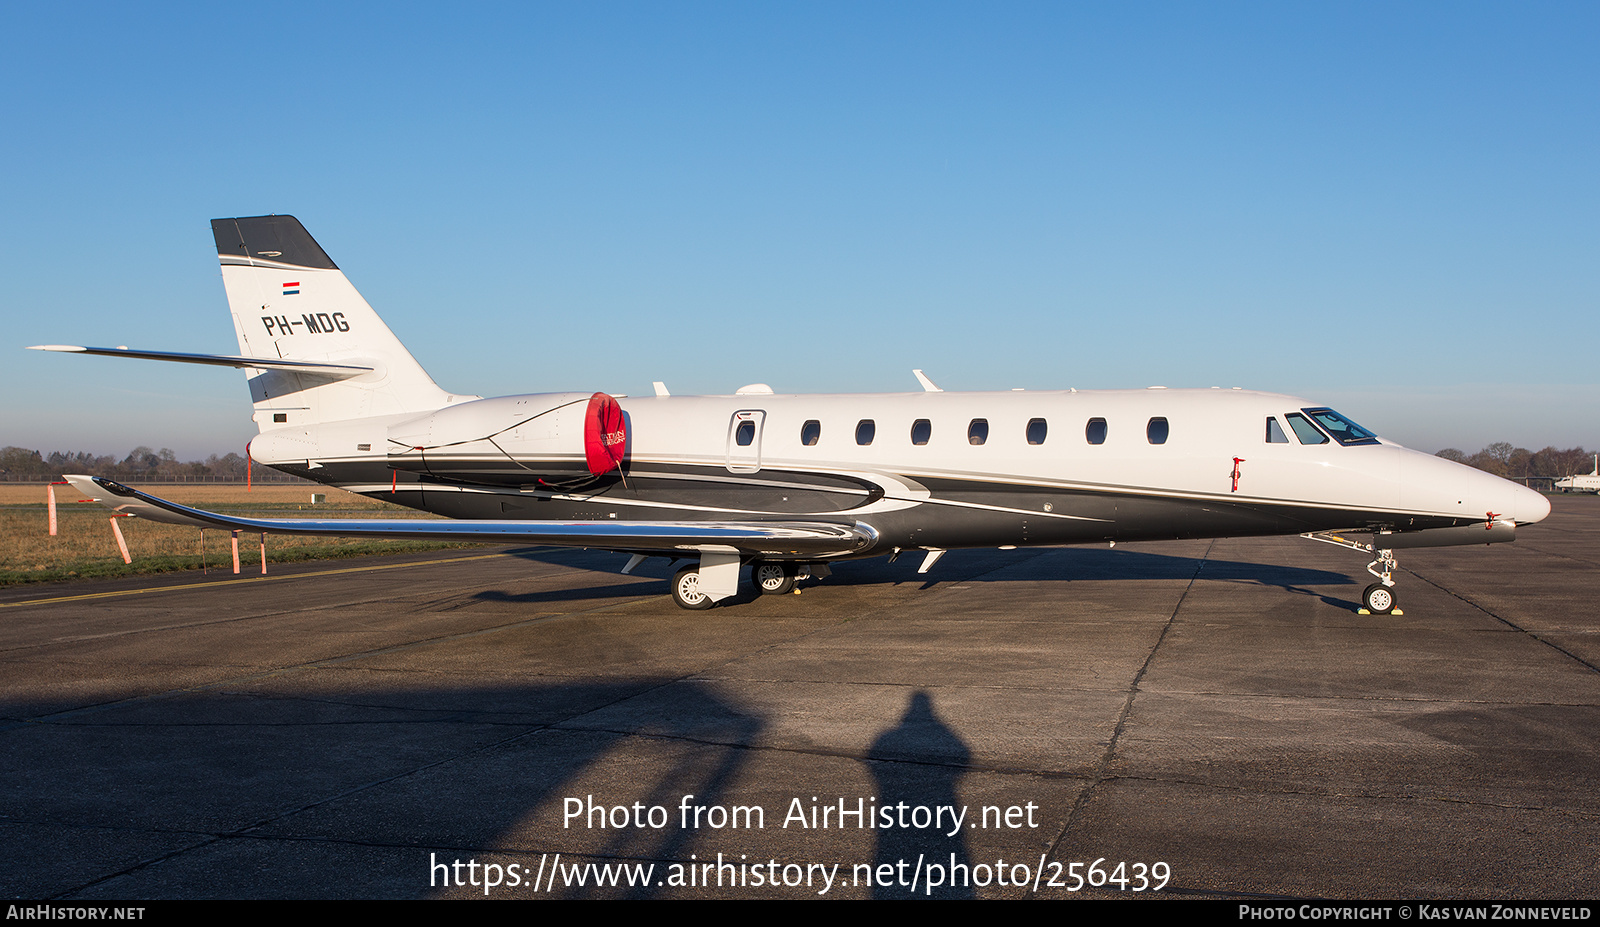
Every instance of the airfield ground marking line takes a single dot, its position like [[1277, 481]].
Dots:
[[232, 582], [1508, 623], [1556, 553], [245, 831], [706, 676], [574, 724], [1099, 774], [300, 667], [949, 586], [185, 625], [315, 664]]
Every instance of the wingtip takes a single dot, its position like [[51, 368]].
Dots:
[[70, 348], [84, 484]]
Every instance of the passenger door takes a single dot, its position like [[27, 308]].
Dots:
[[744, 441]]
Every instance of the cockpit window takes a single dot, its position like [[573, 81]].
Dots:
[[1304, 430], [1275, 433], [1343, 430]]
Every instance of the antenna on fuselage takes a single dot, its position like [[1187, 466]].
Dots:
[[927, 384]]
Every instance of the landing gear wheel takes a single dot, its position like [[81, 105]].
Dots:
[[1378, 598], [686, 590], [773, 578]]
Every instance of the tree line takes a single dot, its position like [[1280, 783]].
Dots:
[[20, 465], [1502, 459]]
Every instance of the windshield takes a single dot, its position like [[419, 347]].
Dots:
[[1343, 430]]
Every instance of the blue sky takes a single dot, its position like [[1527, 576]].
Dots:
[[1391, 208]]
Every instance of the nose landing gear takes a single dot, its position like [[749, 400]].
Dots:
[[1378, 598]]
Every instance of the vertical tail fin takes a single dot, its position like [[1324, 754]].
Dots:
[[290, 300]]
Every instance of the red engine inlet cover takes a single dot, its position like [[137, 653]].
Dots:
[[605, 434]]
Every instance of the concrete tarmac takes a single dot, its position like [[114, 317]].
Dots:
[[1216, 712]]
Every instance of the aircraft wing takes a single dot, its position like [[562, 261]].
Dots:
[[774, 538]]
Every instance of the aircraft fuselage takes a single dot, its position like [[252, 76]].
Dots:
[[926, 469]]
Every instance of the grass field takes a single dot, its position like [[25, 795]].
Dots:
[[85, 547]]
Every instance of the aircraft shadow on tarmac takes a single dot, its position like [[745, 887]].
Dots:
[[1065, 565], [321, 790]]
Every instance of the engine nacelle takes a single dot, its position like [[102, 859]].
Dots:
[[556, 429]]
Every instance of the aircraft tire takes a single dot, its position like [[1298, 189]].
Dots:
[[686, 590], [1378, 599], [772, 578]]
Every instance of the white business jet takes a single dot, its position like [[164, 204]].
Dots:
[[787, 483], [1582, 482]]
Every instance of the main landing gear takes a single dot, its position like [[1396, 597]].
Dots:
[[686, 591], [770, 577], [1378, 598], [773, 577]]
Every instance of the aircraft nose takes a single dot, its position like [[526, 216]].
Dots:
[[1442, 486], [1530, 506]]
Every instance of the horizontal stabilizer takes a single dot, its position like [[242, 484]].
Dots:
[[791, 538], [320, 368]]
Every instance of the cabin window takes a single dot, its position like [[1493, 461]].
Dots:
[[865, 430], [1036, 431], [810, 433], [921, 431], [745, 435], [1095, 433], [1156, 431], [1343, 430], [978, 431], [1304, 430], [1275, 433]]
